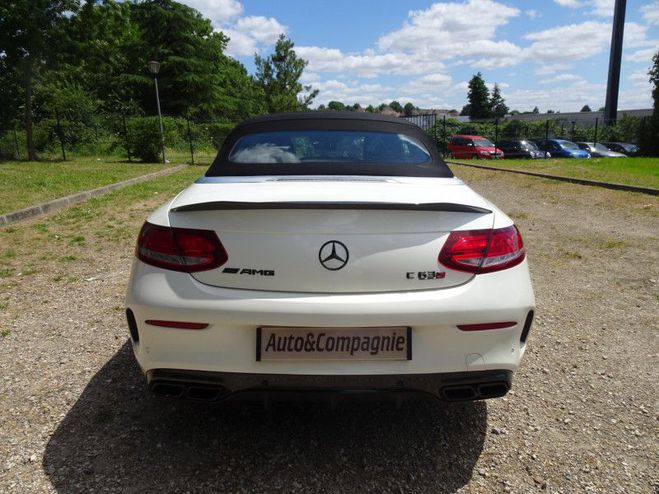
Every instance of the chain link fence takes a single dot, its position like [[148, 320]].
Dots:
[[128, 137], [627, 129], [56, 136]]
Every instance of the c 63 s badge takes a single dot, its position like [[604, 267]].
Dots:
[[425, 275]]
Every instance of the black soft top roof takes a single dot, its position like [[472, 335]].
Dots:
[[332, 120]]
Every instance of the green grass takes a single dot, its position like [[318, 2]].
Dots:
[[75, 234], [642, 172], [23, 184]]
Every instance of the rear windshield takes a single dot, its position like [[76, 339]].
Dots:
[[329, 146]]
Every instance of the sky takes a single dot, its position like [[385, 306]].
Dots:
[[552, 54]]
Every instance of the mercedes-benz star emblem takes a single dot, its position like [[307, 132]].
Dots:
[[333, 255]]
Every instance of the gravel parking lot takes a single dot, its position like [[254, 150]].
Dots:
[[583, 414]]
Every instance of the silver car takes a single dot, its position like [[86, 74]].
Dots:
[[599, 150]]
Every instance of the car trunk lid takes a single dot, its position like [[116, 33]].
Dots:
[[332, 236]]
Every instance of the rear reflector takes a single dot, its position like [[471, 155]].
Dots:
[[483, 251], [486, 325], [177, 324], [180, 249]]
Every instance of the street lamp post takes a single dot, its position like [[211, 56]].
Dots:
[[154, 68]]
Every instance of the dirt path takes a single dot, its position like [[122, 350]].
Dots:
[[583, 414]]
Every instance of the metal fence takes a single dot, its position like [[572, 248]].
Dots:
[[629, 129], [57, 138]]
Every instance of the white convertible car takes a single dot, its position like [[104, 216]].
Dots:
[[331, 252]]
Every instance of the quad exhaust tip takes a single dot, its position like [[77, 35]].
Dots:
[[191, 391], [480, 391], [213, 392]]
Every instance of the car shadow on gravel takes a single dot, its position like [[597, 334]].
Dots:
[[119, 438]]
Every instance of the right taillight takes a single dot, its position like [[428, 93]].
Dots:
[[483, 251], [180, 249]]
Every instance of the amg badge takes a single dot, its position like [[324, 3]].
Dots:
[[250, 271]]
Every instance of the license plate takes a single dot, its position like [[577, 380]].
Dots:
[[287, 343]]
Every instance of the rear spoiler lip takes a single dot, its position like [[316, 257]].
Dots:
[[354, 205]]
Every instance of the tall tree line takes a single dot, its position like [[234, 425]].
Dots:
[[82, 59]]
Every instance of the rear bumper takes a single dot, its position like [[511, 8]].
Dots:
[[228, 344], [222, 386]]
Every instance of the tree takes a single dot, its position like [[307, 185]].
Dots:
[[550, 111], [370, 109], [478, 97], [585, 108], [649, 140], [336, 106], [409, 109], [498, 107], [30, 33], [466, 109], [396, 106], [535, 110], [279, 75]]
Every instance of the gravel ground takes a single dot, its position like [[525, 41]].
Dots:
[[583, 415]]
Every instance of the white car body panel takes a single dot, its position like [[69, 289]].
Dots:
[[287, 241], [229, 343]]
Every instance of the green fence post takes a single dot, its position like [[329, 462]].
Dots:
[[18, 149], [59, 134], [190, 141], [123, 120], [595, 138], [444, 137]]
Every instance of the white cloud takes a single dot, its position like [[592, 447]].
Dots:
[[561, 78], [572, 42], [367, 64], [561, 98], [218, 11], [364, 94], [642, 56], [568, 3], [639, 94], [603, 8], [650, 12], [262, 29], [249, 34], [532, 14], [639, 76], [447, 24]]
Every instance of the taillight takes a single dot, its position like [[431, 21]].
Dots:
[[483, 251], [180, 249]]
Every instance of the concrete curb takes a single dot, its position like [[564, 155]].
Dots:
[[63, 202], [580, 181]]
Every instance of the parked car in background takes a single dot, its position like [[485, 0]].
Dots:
[[473, 147], [520, 149], [623, 147], [329, 252], [599, 150], [560, 148]]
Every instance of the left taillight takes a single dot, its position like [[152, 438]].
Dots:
[[483, 251], [180, 249]]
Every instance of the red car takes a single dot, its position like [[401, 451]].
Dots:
[[473, 147]]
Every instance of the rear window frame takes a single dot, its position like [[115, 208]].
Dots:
[[223, 167]]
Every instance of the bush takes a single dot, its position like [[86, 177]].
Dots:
[[217, 132], [143, 139]]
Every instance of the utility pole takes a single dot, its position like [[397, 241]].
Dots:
[[615, 57]]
